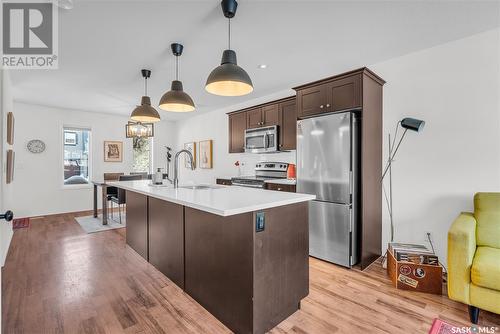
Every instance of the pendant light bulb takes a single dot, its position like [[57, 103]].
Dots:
[[176, 100], [229, 79], [145, 113]]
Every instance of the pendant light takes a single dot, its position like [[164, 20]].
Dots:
[[138, 129], [176, 99], [229, 79], [145, 113]]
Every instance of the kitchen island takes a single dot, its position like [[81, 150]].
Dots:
[[242, 253]]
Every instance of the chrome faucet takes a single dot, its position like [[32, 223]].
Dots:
[[176, 165]]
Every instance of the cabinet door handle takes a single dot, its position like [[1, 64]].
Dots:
[[327, 105], [279, 189], [321, 106]]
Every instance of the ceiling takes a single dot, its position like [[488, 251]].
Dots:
[[104, 44]]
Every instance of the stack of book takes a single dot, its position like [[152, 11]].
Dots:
[[418, 254]]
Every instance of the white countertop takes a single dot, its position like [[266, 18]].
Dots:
[[222, 200], [282, 181]]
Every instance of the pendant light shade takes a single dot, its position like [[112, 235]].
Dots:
[[145, 113], [176, 100], [229, 79]]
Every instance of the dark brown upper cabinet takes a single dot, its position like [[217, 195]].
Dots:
[[338, 93], [254, 118], [343, 94], [312, 100], [237, 127], [271, 115], [288, 124], [282, 113]]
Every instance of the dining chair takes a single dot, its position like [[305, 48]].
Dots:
[[120, 197], [111, 191], [144, 175]]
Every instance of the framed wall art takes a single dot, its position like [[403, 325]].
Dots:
[[10, 166], [113, 151], [10, 128], [191, 147], [205, 147]]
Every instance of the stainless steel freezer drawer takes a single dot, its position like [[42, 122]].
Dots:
[[330, 232]]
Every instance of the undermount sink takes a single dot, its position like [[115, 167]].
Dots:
[[200, 186]]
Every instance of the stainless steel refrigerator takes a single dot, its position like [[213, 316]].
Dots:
[[328, 167]]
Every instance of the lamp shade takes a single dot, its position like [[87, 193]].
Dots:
[[145, 113], [176, 99], [413, 124], [229, 79]]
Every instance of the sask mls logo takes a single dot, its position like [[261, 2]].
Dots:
[[29, 34]]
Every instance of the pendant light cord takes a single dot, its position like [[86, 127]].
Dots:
[[229, 33], [145, 86], [176, 67]]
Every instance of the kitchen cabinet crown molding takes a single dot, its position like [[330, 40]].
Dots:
[[362, 70], [265, 104]]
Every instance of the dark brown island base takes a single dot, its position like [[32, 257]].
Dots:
[[250, 270]]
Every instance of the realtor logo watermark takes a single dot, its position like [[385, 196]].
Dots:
[[29, 34]]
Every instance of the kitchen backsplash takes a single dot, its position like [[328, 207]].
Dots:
[[248, 161]]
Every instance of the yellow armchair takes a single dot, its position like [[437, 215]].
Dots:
[[474, 256]]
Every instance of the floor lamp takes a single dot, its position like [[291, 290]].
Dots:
[[407, 123]]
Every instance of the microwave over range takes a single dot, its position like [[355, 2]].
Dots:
[[261, 140]]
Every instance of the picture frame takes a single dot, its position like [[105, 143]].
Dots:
[[10, 166], [113, 151], [10, 128], [191, 147], [70, 138], [206, 154]]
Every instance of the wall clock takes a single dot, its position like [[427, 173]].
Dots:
[[36, 146]]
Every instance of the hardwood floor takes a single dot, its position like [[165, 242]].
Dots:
[[58, 279]]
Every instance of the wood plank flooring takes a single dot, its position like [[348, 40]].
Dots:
[[58, 279]]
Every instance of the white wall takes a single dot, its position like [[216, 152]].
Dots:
[[454, 87], [37, 187], [6, 105], [214, 125], [6, 101]]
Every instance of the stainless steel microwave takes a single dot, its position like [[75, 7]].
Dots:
[[261, 140]]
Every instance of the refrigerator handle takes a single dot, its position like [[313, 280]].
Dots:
[[351, 183]]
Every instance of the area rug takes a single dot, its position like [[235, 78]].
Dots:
[[92, 225], [20, 223], [441, 327]]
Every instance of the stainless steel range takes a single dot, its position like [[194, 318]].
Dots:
[[263, 171]]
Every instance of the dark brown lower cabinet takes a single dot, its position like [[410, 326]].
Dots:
[[225, 182], [249, 280], [137, 222], [249, 275], [166, 239], [291, 188]]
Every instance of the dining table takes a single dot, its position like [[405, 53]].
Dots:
[[103, 185]]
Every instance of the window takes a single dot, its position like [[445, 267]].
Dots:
[[142, 154], [76, 164]]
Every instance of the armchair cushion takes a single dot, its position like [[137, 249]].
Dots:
[[487, 214], [486, 268]]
